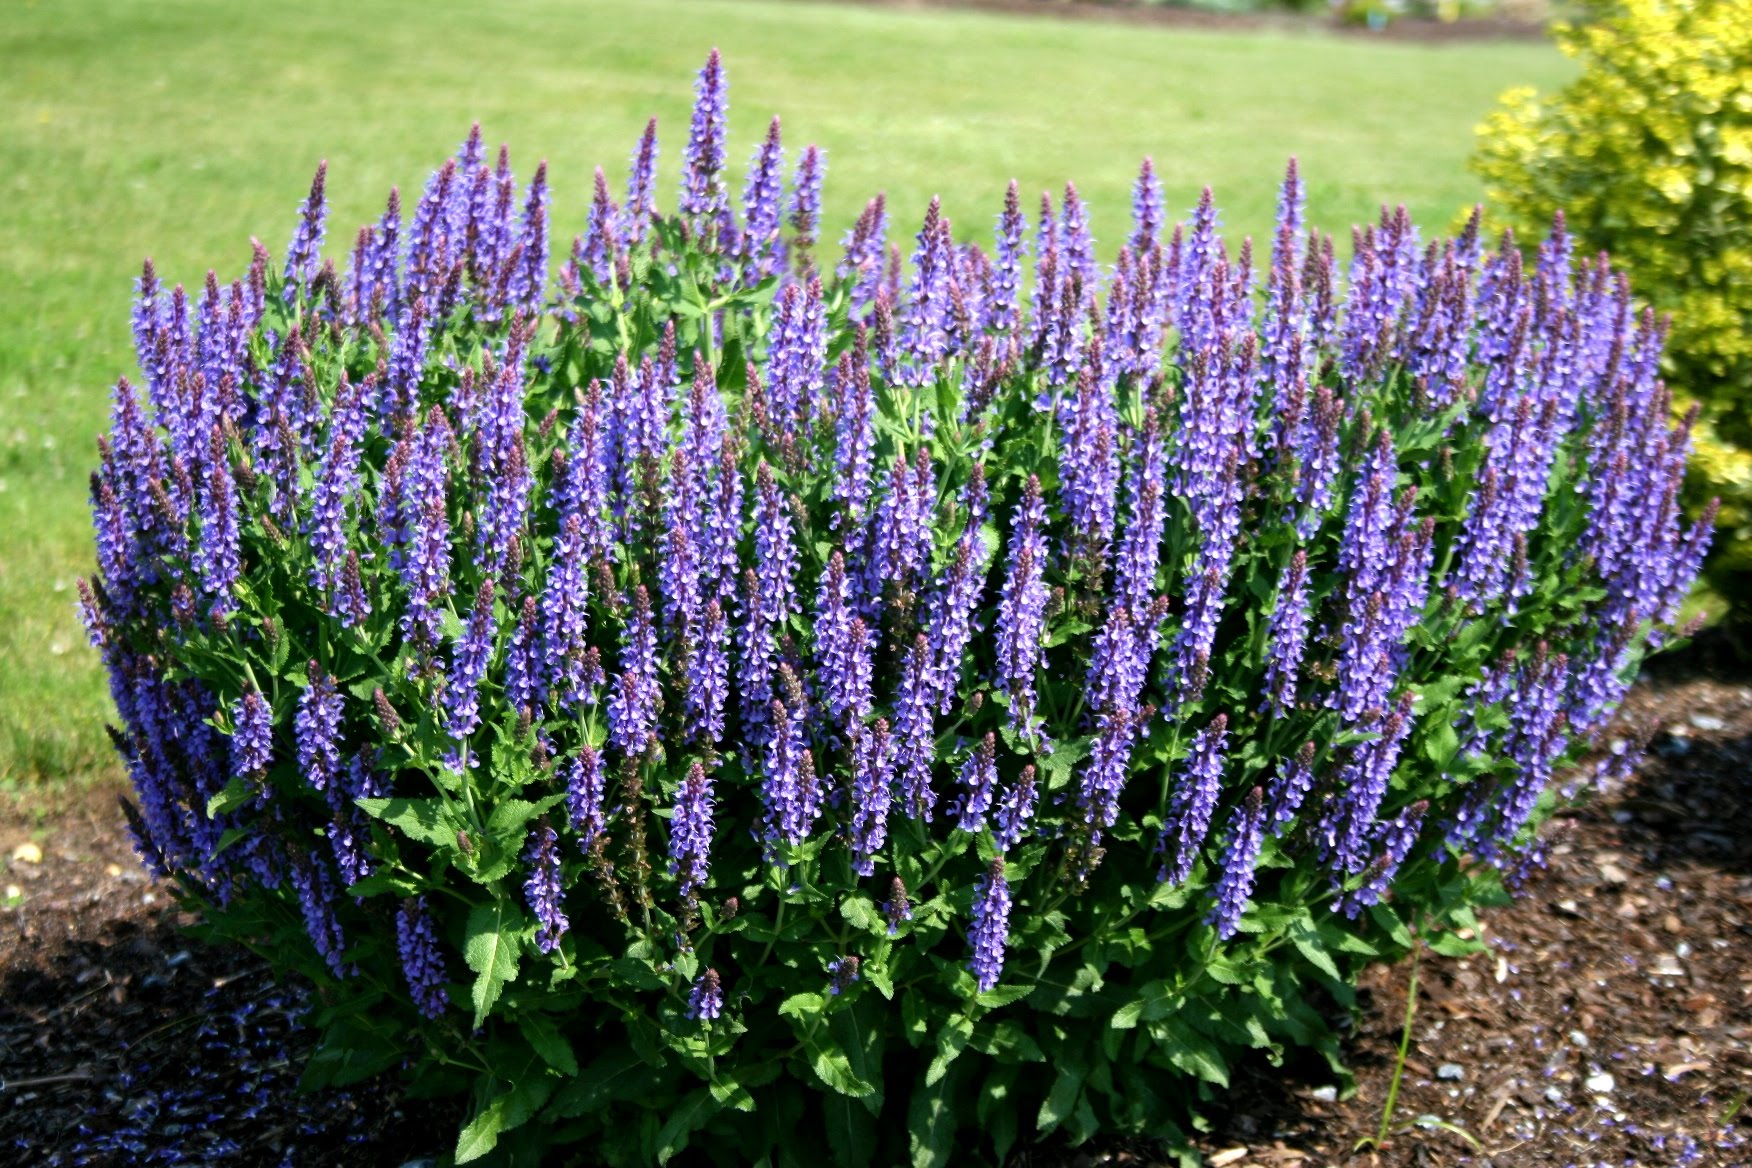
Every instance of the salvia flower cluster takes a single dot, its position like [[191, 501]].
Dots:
[[748, 636]]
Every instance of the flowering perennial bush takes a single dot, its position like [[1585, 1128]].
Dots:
[[992, 689], [1648, 152]]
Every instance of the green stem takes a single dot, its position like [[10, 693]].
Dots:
[[1404, 1046]]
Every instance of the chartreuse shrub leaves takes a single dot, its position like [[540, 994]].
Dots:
[[788, 703], [1648, 153]]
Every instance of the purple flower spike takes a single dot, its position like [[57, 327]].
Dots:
[[705, 1001], [1010, 823], [252, 736], [865, 248], [303, 256], [635, 696], [1287, 636], [979, 783], [1235, 885], [704, 196], [1393, 841], [1022, 611], [543, 890], [763, 209], [318, 729], [1003, 305], [583, 779], [421, 959], [991, 926], [1149, 210], [805, 215], [469, 657], [872, 789], [641, 205], [1194, 801], [690, 831]]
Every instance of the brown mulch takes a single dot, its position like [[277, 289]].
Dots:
[[1609, 1024]]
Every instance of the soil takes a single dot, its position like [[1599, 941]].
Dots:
[[1610, 1022]]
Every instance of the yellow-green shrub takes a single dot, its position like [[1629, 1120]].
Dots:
[[1649, 153]]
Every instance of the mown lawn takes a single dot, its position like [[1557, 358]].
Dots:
[[180, 128]]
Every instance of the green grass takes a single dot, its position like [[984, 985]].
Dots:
[[181, 129]]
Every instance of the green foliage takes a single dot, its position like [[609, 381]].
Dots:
[[1648, 153]]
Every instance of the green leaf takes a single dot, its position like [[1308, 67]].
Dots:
[[688, 1117], [731, 1093], [621, 1074], [506, 1112], [1062, 1099], [861, 1040], [833, 1066], [851, 1131], [508, 819], [1452, 945], [1004, 995], [952, 1038], [494, 939], [1308, 944], [802, 1005], [420, 819], [930, 1124], [545, 1039], [236, 793]]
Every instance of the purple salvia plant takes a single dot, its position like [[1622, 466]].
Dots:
[[690, 832], [1021, 628], [422, 961], [1012, 820], [924, 337], [635, 695], [302, 253], [790, 791], [337, 480], [1361, 785], [560, 670], [872, 792], [761, 251], [543, 890], [1193, 803], [469, 658], [1235, 885], [705, 1000], [1393, 841], [991, 926], [708, 676], [1290, 787], [805, 214], [916, 740], [252, 736], [318, 729], [1287, 636], [582, 777], [1003, 304], [1140, 549], [704, 196], [1149, 210], [641, 205], [314, 885], [599, 247], [865, 246], [979, 785], [218, 560]]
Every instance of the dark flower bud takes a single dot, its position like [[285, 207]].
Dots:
[[392, 724], [732, 906]]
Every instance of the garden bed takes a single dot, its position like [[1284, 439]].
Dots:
[[1610, 1024]]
